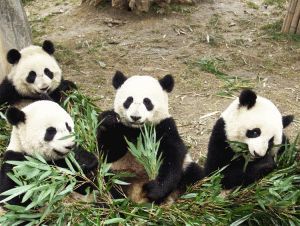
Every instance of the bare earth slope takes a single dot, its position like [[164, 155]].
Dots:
[[230, 36]]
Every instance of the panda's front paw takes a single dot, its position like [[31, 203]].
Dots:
[[68, 85], [109, 119], [45, 96], [87, 160], [263, 167], [154, 191]]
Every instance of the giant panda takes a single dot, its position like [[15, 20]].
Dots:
[[140, 100], [39, 128], [255, 121], [35, 75]]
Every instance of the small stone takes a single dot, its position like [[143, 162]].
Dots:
[[102, 64]]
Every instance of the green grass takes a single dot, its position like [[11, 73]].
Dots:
[[252, 5], [66, 56], [274, 200], [25, 2], [231, 84], [274, 32], [278, 3]]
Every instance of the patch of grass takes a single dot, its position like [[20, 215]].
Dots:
[[36, 33], [25, 2], [214, 21], [274, 31], [278, 3], [252, 5], [231, 85], [65, 55], [179, 8]]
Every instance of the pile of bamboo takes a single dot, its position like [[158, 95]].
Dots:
[[291, 22]]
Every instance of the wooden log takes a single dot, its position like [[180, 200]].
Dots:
[[14, 31], [289, 17], [295, 20]]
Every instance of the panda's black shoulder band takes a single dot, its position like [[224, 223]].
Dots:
[[15, 116]]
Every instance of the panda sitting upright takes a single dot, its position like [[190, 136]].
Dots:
[[139, 100], [252, 120], [43, 128], [35, 75]]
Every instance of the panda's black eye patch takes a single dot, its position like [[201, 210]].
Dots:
[[68, 127], [50, 133], [31, 77], [253, 133], [48, 73], [128, 102], [147, 102]]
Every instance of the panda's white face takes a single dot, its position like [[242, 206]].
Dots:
[[35, 73], [256, 126], [47, 130], [141, 99]]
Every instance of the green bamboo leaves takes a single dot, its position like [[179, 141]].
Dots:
[[146, 150]]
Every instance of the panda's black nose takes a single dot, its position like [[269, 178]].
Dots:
[[135, 118]]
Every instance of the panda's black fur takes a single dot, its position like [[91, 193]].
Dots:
[[10, 94], [171, 179], [220, 154]]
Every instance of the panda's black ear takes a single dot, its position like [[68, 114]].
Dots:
[[247, 98], [13, 56], [287, 120], [48, 46], [118, 79], [167, 83], [15, 116]]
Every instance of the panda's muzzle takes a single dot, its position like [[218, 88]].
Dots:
[[135, 118]]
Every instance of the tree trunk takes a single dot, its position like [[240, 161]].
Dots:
[[291, 22], [14, 31]]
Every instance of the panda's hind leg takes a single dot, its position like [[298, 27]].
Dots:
[[191, 175]]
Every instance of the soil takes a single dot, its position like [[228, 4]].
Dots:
[[92, 43]]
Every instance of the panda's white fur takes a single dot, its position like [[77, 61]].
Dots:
[[34, 58], [29, 136], [140, 87], [263, 115]]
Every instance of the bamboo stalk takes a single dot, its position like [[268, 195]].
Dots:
[[289, 17], [296, 17]]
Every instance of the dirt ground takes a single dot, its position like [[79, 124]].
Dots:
[[238, 36]]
